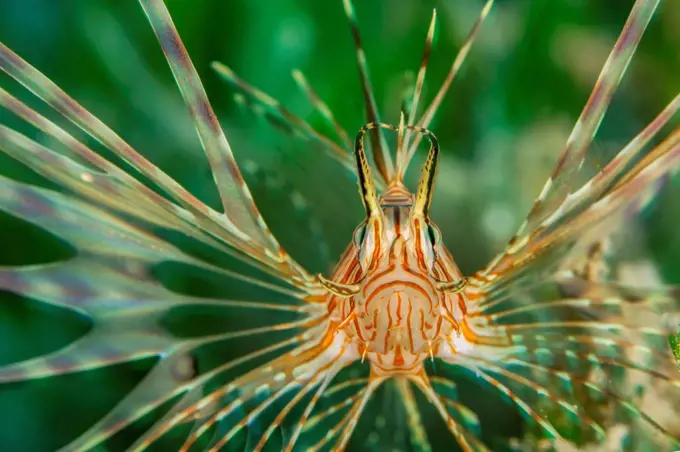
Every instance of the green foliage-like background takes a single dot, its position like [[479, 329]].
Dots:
[[501, 128]]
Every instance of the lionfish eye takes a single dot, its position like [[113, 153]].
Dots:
[[433, 234], [359, 236]]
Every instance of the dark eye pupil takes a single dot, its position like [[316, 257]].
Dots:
[[432, 234]]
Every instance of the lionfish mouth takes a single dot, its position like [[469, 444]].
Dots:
[[264, 356]]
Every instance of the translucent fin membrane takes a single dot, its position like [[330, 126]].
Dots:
[[409, 148], [300, 220], [560, 217], [109, 281], [388, 171], [571, 366], [276, 114], [574, 365], [247, 233]]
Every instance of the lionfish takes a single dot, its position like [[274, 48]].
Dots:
[[396, 320]]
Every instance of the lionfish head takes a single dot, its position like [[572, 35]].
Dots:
[[398, 290]]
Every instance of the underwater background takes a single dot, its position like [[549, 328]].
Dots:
[[501, 129]]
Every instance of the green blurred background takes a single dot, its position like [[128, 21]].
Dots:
[[501, 128]]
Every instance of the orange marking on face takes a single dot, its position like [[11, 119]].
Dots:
[[375, 322], [376, 277], [439, 327], [427, 282], [399, 318], [451, 319], [422, 324], [391, 284], [441, 269], [398, 356], [404, 260], [408, 326], [351, 316], [388, 332], [357, 328]]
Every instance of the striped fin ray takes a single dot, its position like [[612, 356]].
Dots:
[[113, 188], [455, 421], [110, 281], [198, 404], [126, 311], [161, 386], [271, 395], [559, 184], [223, 439], [557, 189], [332, 404], [344, 403], [286, 381], [333, 390], [447, 390], [381, 154], [613, 176], [417, 433], [393, 420], [349, 422], [90, 183], [558, 243], [109, 37], [616, 168], [113, 223], [238, 204], [321, 107], [595, 343], [564, 397], [576, 382], [311, 377], [226, 230], [627, 407], [526, 407], [612, 296], [349, 411], [431, 110], [572, 359], [529, 283], [402, 152], [318, 387]]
